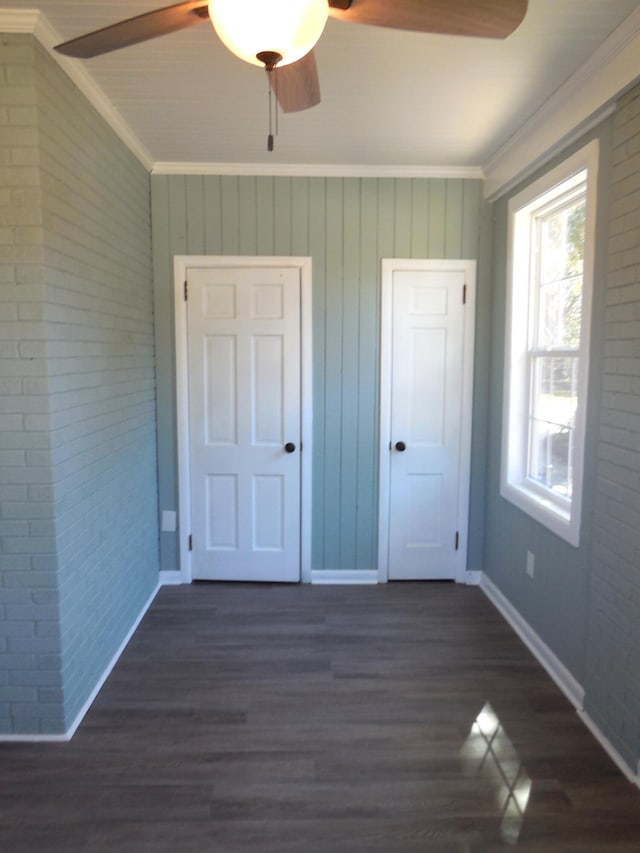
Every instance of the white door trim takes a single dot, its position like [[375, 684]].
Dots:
[[386, 317], [180, 265]]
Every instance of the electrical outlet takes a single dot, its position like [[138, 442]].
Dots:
[[168, 524], [530, 564]]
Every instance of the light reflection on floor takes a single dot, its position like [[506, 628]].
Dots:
[[489, 754]]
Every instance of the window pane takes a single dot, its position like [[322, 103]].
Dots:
[[561, 252], [553, 408]]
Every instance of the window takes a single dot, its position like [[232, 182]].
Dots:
[[551, 236]]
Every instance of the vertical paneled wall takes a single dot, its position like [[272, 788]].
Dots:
[[346, 225]]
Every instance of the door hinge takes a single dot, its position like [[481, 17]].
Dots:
[[186, 290], [464, 294], [457, 540], [190, 542]]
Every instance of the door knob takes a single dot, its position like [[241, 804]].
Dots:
[[401, 446], [289, 447]]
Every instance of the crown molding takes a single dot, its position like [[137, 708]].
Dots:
[[32, 21], [317, 170], [585, 100], [582, 102], [18, 20]]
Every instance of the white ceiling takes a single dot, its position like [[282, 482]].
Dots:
[[389, 98]]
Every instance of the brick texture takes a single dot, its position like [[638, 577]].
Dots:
[[29, 615], [78, 514], [613, 660]]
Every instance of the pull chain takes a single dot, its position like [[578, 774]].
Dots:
[[271, 59], [273, 89], [270, 137]]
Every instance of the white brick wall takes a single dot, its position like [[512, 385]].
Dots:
[[29, 626], [613, 665], [78, 516]]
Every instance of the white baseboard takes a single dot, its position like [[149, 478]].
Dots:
[[69, 733], [338, 576], [171, 578], [610, 749], [473, 578], [571, 688], [35, 738]]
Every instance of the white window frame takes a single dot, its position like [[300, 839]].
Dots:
[[560, 515]]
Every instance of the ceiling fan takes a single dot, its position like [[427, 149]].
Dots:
[[297, 86]]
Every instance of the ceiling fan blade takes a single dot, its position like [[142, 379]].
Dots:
[[481, 18], [160, 22], [296, 85]]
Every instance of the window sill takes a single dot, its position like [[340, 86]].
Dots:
[[545, 512]]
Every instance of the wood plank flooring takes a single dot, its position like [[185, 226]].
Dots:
[[272, 719]]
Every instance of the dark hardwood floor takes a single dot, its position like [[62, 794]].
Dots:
[[272, 719]]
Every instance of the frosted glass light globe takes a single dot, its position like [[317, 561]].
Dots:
[[288, 27]]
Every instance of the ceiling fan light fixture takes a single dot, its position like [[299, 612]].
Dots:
[[288, 27]]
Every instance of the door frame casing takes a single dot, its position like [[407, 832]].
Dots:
[[389, 265], [181, 263]]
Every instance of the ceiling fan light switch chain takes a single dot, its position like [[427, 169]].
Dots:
[[270, 63]]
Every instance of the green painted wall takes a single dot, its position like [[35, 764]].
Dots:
[[347, 225], [584, 602], [556, 603]]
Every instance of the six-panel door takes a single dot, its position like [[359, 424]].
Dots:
[[244, 413], [426, 408]]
